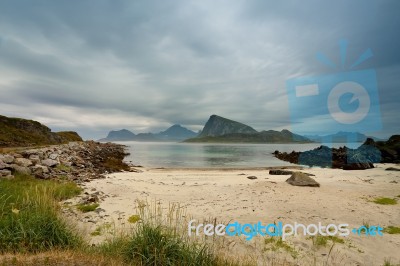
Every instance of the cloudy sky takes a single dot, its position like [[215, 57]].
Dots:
[[93, 66]]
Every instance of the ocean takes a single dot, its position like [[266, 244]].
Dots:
[[206, 155]]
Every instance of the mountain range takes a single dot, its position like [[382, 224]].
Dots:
[[222, 130], [173, 133], [341, 137]]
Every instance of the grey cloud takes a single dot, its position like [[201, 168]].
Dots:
[[179, 62]]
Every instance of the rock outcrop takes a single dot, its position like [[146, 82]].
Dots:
[[222, 130], [76, 161], [345, 158], [218, 126]]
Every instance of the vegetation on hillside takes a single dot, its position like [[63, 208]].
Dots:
[[18, 132]]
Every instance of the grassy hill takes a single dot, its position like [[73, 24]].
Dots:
[[18, 132]]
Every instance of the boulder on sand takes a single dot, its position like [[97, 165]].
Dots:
[[392, 169], [280, 172], [302, 180]]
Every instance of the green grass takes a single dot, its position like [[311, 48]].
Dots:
[[158, 239], [101, 229], [30, 224], [158, 244], [276, 243], [320, 240], [385, 201], [29, 215], [68, 136], [392, 230], [63, 167], [134, 219], [387, 262], [87, 207]]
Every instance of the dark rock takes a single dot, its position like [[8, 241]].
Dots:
[[280, 172], [302, 179], [358, 166], [350, 159], [252, 177], [392, 169], [92, 199]]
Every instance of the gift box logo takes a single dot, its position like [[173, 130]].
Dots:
[[345, 101]]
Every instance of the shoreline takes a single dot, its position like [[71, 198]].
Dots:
[[228, 195], [225, 195], [297, 167]]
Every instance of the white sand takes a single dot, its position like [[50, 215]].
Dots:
[[344, 197]]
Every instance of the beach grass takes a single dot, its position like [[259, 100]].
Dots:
[[87, 207], [392, 230], [388, 262], [156, 238], [29, 215], [385, 201], [322, 241], [276, 243], [33, 232]]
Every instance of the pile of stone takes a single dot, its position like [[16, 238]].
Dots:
[[76, 161]]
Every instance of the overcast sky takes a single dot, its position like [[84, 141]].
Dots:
[[94, 66]]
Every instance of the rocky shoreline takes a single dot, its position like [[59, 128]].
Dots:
[[75, 161], [362, 158]]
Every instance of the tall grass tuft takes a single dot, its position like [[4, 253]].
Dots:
[[29, 215], [158, 239]]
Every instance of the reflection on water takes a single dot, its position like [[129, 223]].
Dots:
[[162, 154]]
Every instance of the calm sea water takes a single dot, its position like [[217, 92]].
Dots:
[[169, 154]]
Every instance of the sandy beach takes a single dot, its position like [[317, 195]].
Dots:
[[228, 195]]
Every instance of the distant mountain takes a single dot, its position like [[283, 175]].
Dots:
[[176, 132], [18, 132], [270, 136], [222, 130], [145, 137], [340, 137], [218, 126], [122, 135], [173, 133]]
